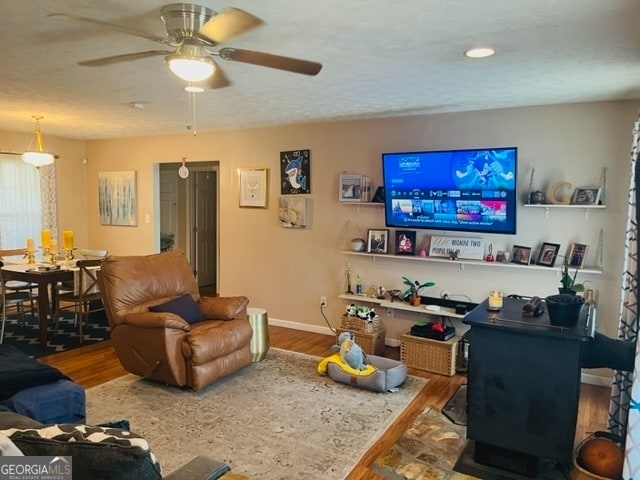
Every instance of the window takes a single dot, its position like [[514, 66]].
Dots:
[[20, 202]]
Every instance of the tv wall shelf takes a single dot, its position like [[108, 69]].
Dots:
[[548, 206], [462, 263]]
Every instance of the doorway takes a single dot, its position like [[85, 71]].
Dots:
[[189, 217]]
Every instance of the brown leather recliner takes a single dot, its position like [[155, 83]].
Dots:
[[162, 346]]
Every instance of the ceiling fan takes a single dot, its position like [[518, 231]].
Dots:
[[192, 33]]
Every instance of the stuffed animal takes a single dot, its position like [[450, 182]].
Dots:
[[360, 311], [351, 353]]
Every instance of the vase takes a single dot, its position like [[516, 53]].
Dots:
[[564, 309]]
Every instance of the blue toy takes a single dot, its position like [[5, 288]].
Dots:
[[351, 353]]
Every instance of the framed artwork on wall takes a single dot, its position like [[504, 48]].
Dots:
[[254, 187], [117, 198], [295, 172]]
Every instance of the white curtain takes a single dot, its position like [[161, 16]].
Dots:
[[27, 201], [624, 417]]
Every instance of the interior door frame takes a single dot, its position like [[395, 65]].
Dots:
[[209, 165]]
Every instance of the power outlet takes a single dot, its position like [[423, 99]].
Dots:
[[323, 301], [445, 293]]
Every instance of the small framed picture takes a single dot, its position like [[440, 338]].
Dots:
[[350, 187], [586, 196], [521, 255], [576, 254], [254, 187], [548, 254], [378, 241], [502, 256], [405, 242]]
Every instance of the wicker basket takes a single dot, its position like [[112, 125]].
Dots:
[[371, 343], [431, 355], [356, 324]]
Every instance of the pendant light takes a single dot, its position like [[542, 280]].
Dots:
[[39, 157]]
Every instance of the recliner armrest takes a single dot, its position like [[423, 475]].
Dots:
[[223, 308], [155, 320], [200, 468]]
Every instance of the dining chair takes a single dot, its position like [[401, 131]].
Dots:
[[11, 298], [83, 254], [17, 285], [84, 296]]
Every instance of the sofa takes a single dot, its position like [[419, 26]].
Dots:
[[163, 330], [102, 452]]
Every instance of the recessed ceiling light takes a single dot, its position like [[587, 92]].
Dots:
[[479, 52]]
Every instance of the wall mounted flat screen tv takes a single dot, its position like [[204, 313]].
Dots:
[[471, 190]]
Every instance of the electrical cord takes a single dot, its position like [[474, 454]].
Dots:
[[327, 320]]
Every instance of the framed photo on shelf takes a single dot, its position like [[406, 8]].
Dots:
[[548, 254], [253, 187], [521, 254], [350, 189], [586, 196], [576, 254], [405, 242], [378, 241]]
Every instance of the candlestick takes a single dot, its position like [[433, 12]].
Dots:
[[45, 238], [67, 239]]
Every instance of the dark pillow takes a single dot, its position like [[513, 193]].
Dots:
[[98, 453], [184, 306]]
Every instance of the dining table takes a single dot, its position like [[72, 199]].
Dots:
[[44, 276]]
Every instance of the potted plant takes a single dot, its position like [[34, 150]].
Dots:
[[564, 309], [413, 292], [568, 282]]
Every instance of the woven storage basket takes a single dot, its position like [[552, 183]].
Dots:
[[356, 324], [431, 355], [371, 343]]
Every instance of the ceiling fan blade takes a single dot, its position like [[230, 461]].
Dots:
[[113, 26], [227, 24], [126, 57], [218, 79], [278, 62]]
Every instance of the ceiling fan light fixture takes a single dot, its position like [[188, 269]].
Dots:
[[191, 69], [38, 157], [479, 52]]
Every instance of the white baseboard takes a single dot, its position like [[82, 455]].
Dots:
[[390, 342], [596, 380], [393, 342]]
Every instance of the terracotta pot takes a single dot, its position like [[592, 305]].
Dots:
[[415, 301]]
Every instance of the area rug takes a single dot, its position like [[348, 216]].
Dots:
[[25, 335], [276, 419]]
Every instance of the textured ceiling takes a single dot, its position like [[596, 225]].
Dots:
[[380, 58]]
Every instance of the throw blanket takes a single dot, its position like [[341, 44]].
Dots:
[[335, 358], [19, 371]]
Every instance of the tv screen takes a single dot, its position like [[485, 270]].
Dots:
[[471, 190]]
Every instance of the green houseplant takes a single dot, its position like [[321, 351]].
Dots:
[[413, 292], [568, 281]]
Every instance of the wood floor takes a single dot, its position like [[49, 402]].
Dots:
[[97, 364]]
